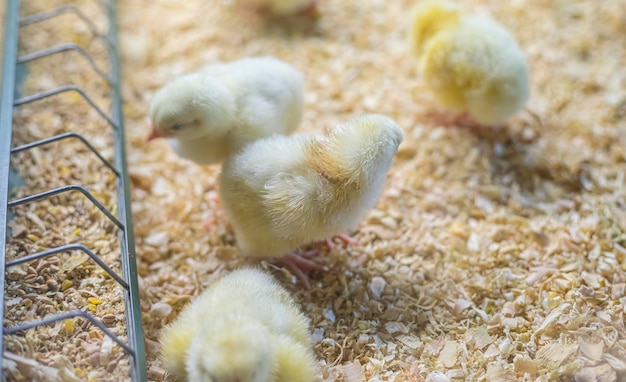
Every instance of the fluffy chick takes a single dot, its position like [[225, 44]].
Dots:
[[471, 63], [282, 8], [214, 112], [283, 192], [245, 327]]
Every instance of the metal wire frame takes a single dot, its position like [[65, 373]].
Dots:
[[61, 137], [65, 89], [64, 48], [135, 346], [9, 71], [76, 313], [41, 16]]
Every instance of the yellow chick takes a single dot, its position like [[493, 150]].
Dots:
[[212, 113], [471, 63], [245, 327], [283, 192], [282, 7]]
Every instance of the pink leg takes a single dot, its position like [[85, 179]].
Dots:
[[451, 119], [347, 240], [311, 10], [299, 265], [253, 8], [213, 197], [208, 225]]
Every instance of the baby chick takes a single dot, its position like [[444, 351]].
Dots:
[[284, 192], [282, 7], [245, 327], [471, 63], [212, 113]]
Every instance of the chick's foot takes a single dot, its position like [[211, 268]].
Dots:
[[300, 264], [451, 119], [347, 240]]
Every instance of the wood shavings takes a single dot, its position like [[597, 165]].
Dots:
[[377, 285], [525, 365], [479, 337], [592, 350], [504, 243], [437, 376], [448, 354], [553, 355], [353, 372]]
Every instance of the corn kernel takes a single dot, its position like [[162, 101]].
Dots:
[[67, 284], [69, 327], [95, 301], [80, 373]]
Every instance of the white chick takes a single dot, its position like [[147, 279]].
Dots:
[[471, 63], [245, 327], [214, 112], [282, 7], [283, 192]]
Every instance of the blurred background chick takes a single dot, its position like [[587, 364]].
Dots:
[[471, 63], [244, 327]]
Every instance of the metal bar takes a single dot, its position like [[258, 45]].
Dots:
[[64, 48], [63, 89], [41, 16], [66, 248], [60, 190], [64, 316], [129, 257], [11, 27], [59, 137]]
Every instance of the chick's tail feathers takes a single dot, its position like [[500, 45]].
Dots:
[[354, 150]]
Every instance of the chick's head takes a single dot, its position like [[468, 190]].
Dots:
[[231, 351], [190, 107], [429, 18], [368, 141]]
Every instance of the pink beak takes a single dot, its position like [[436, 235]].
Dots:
[[154, 134]]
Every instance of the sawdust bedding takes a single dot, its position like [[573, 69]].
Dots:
[[492, 255]]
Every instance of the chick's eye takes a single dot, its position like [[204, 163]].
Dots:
[[176, 127]]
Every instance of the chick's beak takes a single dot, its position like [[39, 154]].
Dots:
[[154, 134]]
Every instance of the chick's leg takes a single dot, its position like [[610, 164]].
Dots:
[[347, 240], [452, 119], [311, 10], [300, 265], [213, 198]]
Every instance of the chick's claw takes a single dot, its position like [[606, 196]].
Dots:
[[300, 265], [347, 240]]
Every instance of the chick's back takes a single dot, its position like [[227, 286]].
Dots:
[[284, 192], [268, 94], [219, 319]]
